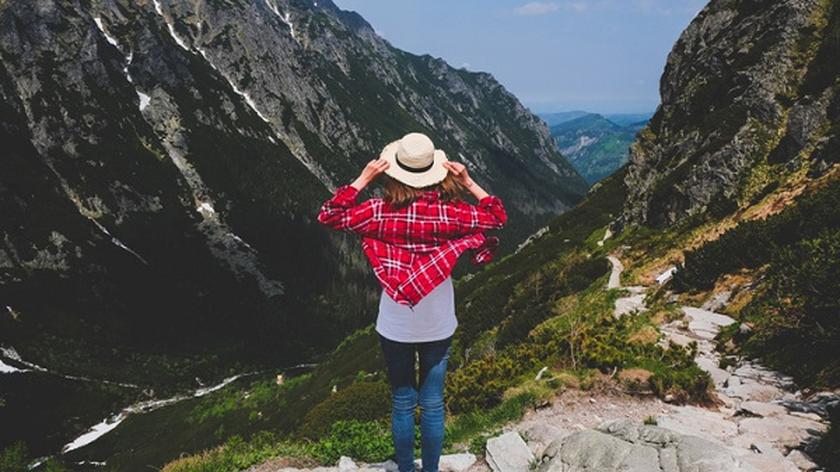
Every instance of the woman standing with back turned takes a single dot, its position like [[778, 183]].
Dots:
[[412, 238]]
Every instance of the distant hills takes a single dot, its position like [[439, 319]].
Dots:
[[596, 145]]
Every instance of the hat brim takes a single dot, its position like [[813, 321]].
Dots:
[[434, 175]]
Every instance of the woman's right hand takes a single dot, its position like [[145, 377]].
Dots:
[[370, 172], [459, 171]]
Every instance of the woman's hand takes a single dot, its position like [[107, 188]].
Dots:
[[370, 172], [459, 171]]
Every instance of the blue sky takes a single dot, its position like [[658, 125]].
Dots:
[[597, 55]]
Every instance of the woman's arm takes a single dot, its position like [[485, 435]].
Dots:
[[488, 214], [341, 211]]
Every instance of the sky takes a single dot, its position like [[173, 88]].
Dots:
[[603, 56]]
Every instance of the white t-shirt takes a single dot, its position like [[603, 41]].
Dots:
[[432, 319]]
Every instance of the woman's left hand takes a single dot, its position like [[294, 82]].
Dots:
[[370, 172]]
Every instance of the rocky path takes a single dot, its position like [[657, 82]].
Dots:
[[761, 424]]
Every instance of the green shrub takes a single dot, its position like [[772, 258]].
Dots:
[[527, 310], [796, 322], [754, 243], [480, 384], [14, 458], [368, 441], [239, 454], [361, 401]]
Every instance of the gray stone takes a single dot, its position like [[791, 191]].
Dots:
[[628, 305], [785, 431], [801, 460], [452, 462], [345, 463], [761, 408], [629, 446], [747, 389], [508, 453]]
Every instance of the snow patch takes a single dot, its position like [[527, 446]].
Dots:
[[245, 95], [7, 369], [112, 40], [170, 26], [108, 424], [144, 99], [206, 209], [287, 18], [666, 276], [117, 242]]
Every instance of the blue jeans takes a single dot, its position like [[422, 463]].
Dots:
[[405, 394]]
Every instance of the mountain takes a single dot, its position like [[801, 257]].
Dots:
[[628, 119], [552, 119], [595, 145], [162, 165], [738, 110], [704, 272]]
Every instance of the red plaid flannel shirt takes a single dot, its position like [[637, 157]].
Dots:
[[413, 249]]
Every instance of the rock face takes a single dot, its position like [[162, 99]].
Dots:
[[749, 85], [163, 162], [632, 447]]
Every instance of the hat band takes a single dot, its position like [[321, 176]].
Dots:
[[416, 170]]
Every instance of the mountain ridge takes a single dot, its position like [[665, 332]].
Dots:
[[166, 162]]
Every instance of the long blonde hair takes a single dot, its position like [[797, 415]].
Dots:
[[399, 195]]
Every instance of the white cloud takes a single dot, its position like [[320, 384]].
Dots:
[[544, 8], [536, 8]]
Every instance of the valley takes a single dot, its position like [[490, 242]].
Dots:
[[172, 304]]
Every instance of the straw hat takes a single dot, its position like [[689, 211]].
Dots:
[[415, 161]]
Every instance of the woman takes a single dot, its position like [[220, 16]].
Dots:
[[412, 238]]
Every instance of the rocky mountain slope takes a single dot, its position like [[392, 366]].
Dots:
[[595, 145], [748, 87], [162, 164]]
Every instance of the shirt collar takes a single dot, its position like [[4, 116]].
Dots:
[[430, 195]]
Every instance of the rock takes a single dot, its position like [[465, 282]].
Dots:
[[719, 376], [452, 462], [699, 422], [705, 324], [770, 463], [543, 433], [785, 431], [745, 328], [717, 301], [727, 55], [818, 403], [629, 446], [508, 453], [615, 276], [747, 389], [345, 463], [801, 460], [755, 408], [628, 305]]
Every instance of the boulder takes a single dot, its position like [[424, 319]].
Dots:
[[801, 460], [508, 453], [630, 446]]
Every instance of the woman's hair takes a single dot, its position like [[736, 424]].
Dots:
[[398, 194]]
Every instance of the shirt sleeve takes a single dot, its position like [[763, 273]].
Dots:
[[484, 253], [342, 213], [488, 214]]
